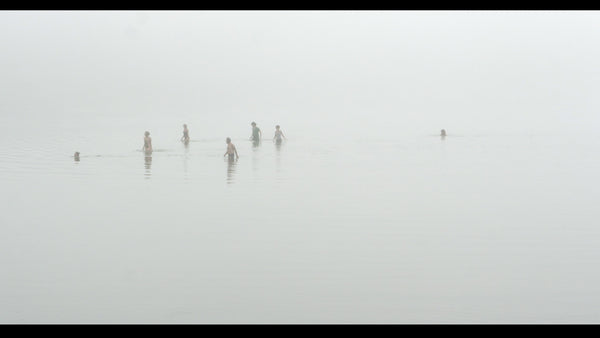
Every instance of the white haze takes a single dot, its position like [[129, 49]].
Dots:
[[333, 73], [363, 215]]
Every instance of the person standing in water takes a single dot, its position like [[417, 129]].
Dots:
[[278, 135], [256, 133], [147, 143], [186, 134], [231, 151]]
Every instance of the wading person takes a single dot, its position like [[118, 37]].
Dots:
[[147, 143], [256, 133], [186, 134], [278, 135], [231, 151]]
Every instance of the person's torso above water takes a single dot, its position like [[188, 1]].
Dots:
[[255, 132]]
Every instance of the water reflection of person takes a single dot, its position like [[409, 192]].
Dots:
[[185, 158], [278, 155], [230, 169], [148, 165]]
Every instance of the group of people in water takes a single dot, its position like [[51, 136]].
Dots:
[[231, 151]]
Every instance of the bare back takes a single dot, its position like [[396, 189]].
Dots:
[[147, 143], [230, 149]]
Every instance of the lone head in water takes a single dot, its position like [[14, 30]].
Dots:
[[231, 151], [76, 156], [147, 142], [256, 133], [278, 135], [186, 137], [443, 132]]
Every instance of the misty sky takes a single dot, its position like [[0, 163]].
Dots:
[[367, 72]]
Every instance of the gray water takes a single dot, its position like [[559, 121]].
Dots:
[[364, 215], [407, 229]]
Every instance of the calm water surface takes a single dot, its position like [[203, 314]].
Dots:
[[404, 229]]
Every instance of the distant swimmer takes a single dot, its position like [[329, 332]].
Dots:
[[147, 143], [256, 133], [76, 156], [231, 151], [186, 134], [278, 135], [443, 133]]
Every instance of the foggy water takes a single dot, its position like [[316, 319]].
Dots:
[[364, 215], [406, 229]]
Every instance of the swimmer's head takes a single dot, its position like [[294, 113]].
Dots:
[[147, 133], [277, 127], [253, 124], [185, 125], [228, 140]]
